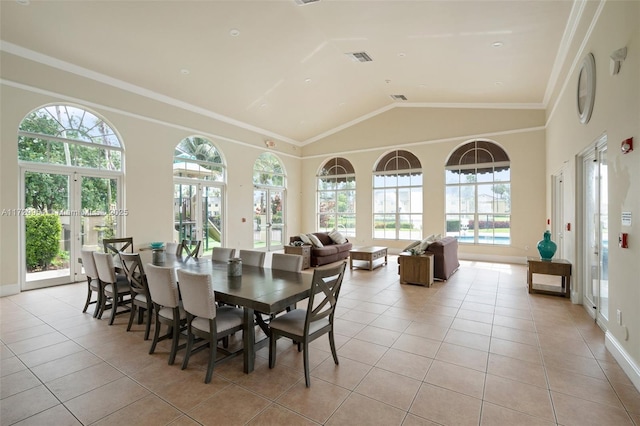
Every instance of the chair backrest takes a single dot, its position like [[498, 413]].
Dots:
[[286, 262], [326, 285], [89, 264], [198, 297], [189, 247], [116, 245], [163, 286], [172, 248], [222, 254], [132, 266], [252, 257], [104, 267]]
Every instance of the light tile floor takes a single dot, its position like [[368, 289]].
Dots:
[[476, 350]]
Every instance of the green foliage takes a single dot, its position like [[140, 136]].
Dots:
[[43, 232], [46, 192], [453, 225]]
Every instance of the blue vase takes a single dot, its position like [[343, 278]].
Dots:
[[546, 247]]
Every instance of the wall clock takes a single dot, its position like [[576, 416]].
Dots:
[[586, 88]]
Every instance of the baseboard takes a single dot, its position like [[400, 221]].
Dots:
[[624, 360], [9, 289], [519, 260]]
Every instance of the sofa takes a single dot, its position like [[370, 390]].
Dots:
[[331, 252], [445, 257]]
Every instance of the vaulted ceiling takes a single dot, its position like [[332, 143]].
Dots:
[[283, 68]]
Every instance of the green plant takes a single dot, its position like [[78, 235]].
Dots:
[[43, 233]]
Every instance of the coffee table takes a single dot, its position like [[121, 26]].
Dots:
[[368, 254]]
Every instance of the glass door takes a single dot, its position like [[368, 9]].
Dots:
[[65, 213], [596, 235], [268, 219], [198, 214]]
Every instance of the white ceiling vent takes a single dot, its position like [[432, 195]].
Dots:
[[398, 97], [359, 56], [303, 2]]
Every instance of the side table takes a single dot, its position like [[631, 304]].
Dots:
[[559, 267], [416, 269], [304, 251]]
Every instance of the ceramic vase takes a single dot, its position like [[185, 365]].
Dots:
[[546, 247], [235, 267]]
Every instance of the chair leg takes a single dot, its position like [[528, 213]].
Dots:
[[148, 327], [98, 304], [134, 307], [305, 355], [156, 334], [140, 312], [187, 355], [114, 308], [332, 343], [272, 349], [103, 305], [213, 344], [89, 293], [174, 344]]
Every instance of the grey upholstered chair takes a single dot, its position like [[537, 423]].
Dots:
[[222, 254], [163, 288], [304, 326], [252, 257], [204, 319], [140, 298], [286, 262], [93, 283], [114, 287], [171, 248]]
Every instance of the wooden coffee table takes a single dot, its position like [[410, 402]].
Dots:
[[368, 254]]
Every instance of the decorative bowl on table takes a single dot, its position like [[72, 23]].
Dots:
[[156, 245]]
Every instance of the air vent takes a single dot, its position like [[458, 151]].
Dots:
[[359, 56], [398, 97], [303, 2]]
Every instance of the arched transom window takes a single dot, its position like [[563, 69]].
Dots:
[[337, 197], [478, 194], [397, 197]]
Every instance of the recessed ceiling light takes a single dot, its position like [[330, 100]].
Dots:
[[497, 44], [234, 32], [185, 71], [23, 2], [307, 80], [402, 54], [498, 83], [264, 105]]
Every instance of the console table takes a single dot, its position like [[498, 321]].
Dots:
[[416, 269], [559, 267], [304, 251]]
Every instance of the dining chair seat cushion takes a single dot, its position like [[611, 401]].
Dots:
[[168, 313], [141, 298], [122, 287], [226, 317], [293, 322]]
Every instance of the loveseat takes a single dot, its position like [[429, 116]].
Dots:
[[445, 257], [330, 252]]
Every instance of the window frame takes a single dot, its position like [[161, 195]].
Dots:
[[337, 169]]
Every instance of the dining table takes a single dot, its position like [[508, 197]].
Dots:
[[262, 290]]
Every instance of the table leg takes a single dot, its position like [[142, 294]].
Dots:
[[248, 340], [350, 262]]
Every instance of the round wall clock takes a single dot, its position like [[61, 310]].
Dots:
[[586, 88]]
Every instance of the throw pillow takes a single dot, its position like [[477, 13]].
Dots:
[[315, 241], [304, 238], [425, 243], [337, 237], [414, 244]]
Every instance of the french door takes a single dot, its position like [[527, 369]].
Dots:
[[198, 213], [595, 232], [268, 218], [63, 212]]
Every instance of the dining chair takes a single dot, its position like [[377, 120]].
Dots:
[[189, 247], [114, 287], [306, 325], [252, 257], [168, 310], [93, 283], [205, 320], [140, 299], [287, 262], [116, 245], [172, 248], [222, 254]]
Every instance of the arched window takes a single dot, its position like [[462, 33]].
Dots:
[[71, 164], [397, 197], [269, 184], [478, 194], [199, 178], [337, 197]]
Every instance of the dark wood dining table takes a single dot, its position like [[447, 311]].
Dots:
[[265, 290]]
